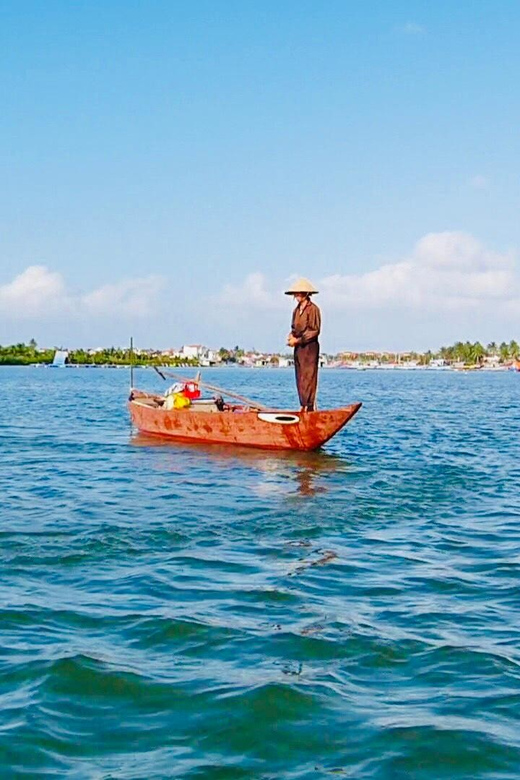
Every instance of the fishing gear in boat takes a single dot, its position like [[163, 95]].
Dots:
[[222, 391]]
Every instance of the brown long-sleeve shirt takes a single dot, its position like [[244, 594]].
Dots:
[[306, 324]]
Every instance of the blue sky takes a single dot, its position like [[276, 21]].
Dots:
[[167, 167]]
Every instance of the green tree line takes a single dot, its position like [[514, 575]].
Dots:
[[24, 354], [29, 354], [474, 353], [467, 352]]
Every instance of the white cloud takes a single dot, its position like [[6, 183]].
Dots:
[[38, 293], [34, 292], [252, 292], [412, 28], [449, 286], [130, 297], [479, 182], [445, 271]]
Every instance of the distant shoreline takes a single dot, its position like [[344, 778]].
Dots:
[[350, 369], [461, 356]]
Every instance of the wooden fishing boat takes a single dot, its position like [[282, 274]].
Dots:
[[212, 421], [273, 430]]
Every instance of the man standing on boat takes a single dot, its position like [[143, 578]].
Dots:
[[305, 329]]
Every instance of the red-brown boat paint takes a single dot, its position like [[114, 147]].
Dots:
[[245, 428]]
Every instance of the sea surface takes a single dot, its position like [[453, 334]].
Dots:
[[173, 611]]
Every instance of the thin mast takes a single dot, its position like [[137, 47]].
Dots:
[[131, 362]]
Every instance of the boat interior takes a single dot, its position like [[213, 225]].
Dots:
[[209, 405]]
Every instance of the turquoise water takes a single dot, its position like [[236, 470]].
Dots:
[[175, 611]]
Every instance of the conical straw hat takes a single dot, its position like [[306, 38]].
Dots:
[[301, 285]]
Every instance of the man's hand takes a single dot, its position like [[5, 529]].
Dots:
[[292, 341]]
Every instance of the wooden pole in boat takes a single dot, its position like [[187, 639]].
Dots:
[[131, 362], [160, 373], [216, 389]]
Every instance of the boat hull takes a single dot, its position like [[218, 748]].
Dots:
[[275, 430]]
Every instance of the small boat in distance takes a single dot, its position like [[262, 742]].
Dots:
[[212, 421], [61, 357]]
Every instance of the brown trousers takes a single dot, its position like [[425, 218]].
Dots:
[[306, 358]]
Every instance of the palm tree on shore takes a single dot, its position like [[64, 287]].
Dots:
[[503, 351], [478, 353]]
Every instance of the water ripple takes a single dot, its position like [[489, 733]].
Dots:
[[201, 612]]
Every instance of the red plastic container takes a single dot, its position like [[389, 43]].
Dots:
[[191, 391]]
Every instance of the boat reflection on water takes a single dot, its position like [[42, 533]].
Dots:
[[305, 470]]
